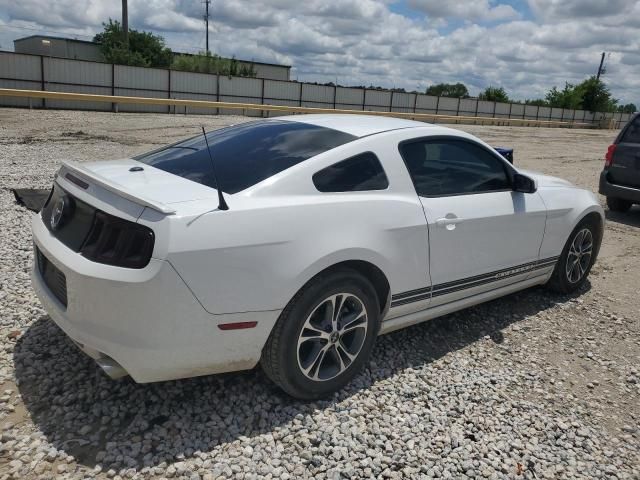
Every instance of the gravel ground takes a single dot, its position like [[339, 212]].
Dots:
[[535, 385]]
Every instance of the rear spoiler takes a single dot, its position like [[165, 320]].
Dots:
[[87, 175]]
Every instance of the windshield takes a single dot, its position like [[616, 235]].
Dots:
[[245, 154]]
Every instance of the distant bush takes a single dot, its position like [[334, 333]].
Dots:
[[494, 94], [212, 63], [455, 90]]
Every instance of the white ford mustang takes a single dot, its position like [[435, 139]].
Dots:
[[294, 242]]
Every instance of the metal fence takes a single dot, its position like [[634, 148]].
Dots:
[[35, 72]]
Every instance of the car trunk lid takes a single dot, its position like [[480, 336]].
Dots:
[[139, 183]]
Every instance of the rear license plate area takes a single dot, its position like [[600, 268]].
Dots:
[[53, 277]]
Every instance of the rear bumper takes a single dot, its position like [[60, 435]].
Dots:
[[145, 323], [618, 191]]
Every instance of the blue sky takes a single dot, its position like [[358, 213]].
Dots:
[[403, 8], [525, 46]]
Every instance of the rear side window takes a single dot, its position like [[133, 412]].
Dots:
[[632, 134], [453, 167], [356, 174], [245, 154]]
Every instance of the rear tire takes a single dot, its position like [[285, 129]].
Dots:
[[578, 256], [324, 336], [618, 204]]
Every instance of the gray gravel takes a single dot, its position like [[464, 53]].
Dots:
[[535, 385]]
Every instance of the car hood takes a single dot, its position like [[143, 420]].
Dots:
[[546, 180]]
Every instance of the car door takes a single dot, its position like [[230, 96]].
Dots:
[[482, 234]]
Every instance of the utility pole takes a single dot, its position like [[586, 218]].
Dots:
[[206, 22], [601, 69], [125, 22]]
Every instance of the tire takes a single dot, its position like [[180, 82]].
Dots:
[[574, 265], [309, 363], [618, 204]]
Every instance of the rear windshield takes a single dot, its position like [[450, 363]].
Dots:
[[632, 134], [245, 154]]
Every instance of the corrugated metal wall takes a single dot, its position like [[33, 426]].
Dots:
[[35, 72]]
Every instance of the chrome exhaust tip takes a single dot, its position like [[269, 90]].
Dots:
[[112, 368]]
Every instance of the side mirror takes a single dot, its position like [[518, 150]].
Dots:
[[524, 184]]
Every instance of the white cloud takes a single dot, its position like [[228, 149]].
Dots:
[[368, 42], [554, 10]]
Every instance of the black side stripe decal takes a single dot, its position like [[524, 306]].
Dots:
[[397, 303], [411, 293], [470, 282]]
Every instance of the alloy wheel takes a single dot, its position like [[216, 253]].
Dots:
[[579, 256], [332, 336]]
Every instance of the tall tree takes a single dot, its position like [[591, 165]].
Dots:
[[596, 96], [455, 90], [144, 50]]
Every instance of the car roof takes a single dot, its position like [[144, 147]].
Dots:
[[355, 124]]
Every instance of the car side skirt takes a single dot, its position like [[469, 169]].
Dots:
[[471, 282], [541, 276]]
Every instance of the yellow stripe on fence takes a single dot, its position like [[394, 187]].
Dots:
[[115, 99]]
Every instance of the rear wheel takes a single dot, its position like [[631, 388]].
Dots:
[[618, 204], [324, 336], [577, 258]]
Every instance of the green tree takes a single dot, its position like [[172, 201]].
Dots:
[[596, 96], [455, 90], [628, 108], [591, 94], [143, 50], [494, 94], [568, 97], [539, 102]]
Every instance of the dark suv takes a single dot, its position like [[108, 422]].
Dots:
[[620, 179]]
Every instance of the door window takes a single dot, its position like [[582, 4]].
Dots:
[[444, 167]]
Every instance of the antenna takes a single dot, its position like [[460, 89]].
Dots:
[[222, 205]]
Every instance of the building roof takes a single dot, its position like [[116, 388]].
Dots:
[[50, 37], [66, 39]]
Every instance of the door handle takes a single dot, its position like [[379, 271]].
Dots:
[[449, 222]]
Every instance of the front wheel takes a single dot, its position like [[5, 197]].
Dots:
[[324, 336], [577, 258]]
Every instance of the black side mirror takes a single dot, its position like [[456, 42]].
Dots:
[[524, 184]]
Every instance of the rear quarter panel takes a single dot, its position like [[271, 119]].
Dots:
[[280, 234]]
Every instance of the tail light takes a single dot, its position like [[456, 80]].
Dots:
[[608, 158], [118, 242]]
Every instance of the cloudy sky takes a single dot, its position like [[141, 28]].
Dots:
[[526, 46]]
